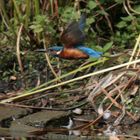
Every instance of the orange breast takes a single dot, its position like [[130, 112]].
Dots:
[[72, 53]]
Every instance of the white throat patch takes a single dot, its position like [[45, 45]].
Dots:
[[58, 52]]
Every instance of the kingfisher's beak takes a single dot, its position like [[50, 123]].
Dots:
[[54, 51], [48, 50], [41, 50]]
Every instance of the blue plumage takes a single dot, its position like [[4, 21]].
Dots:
[[72, 39], [88, 51], [82, 21], [56, 48]]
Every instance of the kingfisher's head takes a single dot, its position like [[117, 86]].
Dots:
[[55, 50]]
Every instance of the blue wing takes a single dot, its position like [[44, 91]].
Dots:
[[73, 34], [89, 51]]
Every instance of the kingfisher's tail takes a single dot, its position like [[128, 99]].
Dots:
[[82, 21]]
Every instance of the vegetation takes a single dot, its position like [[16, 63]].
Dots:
[[112, 27]]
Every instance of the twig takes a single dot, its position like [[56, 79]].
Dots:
[[45, 108], [18, 48], [108, 95], [137, 55], [92, 96], [100, 116], [70, 81], [131, 9], [49, 64], [76, 6], [134, 50], [126, 9], [129, 136], [116, 103], [112, 6], [56, 8], [4, 20], [70, 73], [106, 16]]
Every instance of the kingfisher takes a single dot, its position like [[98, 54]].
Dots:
[[72, 39]]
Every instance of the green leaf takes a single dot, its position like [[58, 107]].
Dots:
[[97, 48], [90, 21], [91, 59], [102, 1], [92, 4], [68, 13], [128, 18], [102, 12], [137, 8], [119, 1], [122, 24], [107, 46]]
